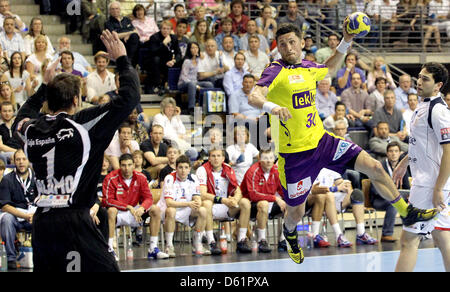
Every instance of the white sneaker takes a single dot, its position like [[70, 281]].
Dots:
[[170, 250], [157, 254]]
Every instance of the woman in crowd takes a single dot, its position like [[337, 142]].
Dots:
[[377, 95], [34, 62], [201, 34], [139, 131], [339, 114], [145, 24], [138, 159], [19, 79], [36, 29], [7, 94], [379, 69]]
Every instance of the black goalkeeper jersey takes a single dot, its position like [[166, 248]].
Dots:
[[66, 151]]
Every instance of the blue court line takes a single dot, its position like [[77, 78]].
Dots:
[[428, 260]]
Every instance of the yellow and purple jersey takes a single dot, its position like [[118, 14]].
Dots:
[[294, 87]]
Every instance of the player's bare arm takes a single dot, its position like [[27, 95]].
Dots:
[[335, 60], [257, 98]]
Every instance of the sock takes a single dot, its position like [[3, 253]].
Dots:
[[337, 229], [228, 237], [197, 240], [153, 242], [315, 228], [400, 205], [242, 233], [111, 242], [169, 238], [261, 234], [360, 229], [282, 237], [210, 236]]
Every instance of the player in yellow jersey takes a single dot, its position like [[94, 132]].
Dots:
[[287, 88]]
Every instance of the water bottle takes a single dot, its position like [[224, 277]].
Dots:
[[254, 243], [223, 241], [4, 259], [130, 253]]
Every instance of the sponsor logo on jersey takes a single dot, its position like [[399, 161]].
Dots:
[[299, 189], [64, 134], [303, 99], [445, 133], [39, 142], [296, 79], [342, 147], [412, 141]]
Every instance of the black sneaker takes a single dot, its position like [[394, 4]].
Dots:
[[243, 247], [215, 250], [417, 215], [12, 265], [282, 246], [294, 251], [263, 246], [138, 241]]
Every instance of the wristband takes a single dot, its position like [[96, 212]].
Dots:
[[343, 47], [217, 200], [269, 106], [333, 189]]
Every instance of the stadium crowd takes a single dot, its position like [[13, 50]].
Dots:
[[151, 168]]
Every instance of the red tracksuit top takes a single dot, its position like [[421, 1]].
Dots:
[[255, 187]]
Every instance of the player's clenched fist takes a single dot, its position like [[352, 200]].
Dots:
[[282, 112]]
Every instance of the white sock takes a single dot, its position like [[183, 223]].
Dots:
[[315, 227], [337, 229], [153, 242], [169, 238], [261, 234], [210, 236], [242, 233], [228, 237], [197, 240], [111, 242], [360, 229]]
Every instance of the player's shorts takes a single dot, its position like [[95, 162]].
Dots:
[[220, 212], [125, 218], [299, 170], [182, 215], [66, 239], [422, 198], [273, 210], [338, 199]]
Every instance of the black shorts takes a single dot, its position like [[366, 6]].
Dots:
[[274, 212], [67, 240]]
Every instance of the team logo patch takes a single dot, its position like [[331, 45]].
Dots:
[[64, 133], [342, 147], [296, 79], [445, 133], [299, 189]]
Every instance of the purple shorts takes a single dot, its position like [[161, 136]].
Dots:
[[298, 171]]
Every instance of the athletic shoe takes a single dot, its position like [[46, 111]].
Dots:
[[200, 250], [343, 242], [243, 247], [170, 250], [207, 251], [319, 241], [138, 241], [263, 246], [215, 250], [157, 254], [417, 215], [114, 253], [295, 252], [12, 265], [282, 246], [365, 239]]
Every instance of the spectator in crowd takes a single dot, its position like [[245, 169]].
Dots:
[[377, 96], [180, 201], [312, 10], [201, 34], [125, 29], [4, 61], [344, 76], [239, 19], [228, 52], [139, 132], [6, 130], [262, 187], [447, 99], [242, 152], [129, 202], [144, 24], [309, 48], [357, 101], [101, 80], [155, 151], [188, 81], [139, 160], [379, 69], [10, 40], [405, 22], [180, 13], [67, 61], [324, 53], [339, 114], [34, 63], [379, 203], [232, 81], [200, 14], [121, 144], [36, 28], [256, 59], [252, 30], [341, 129], [164, 54], [93, 21], [377, 144], [7, 95], [17, 193], [210, 68], [438, 11], [275, 7], [384, 13], [325, 98], [19, 79], [413, 101], [388, 113], [215, 135], [293, 16], [401, 92], [266, 23], [180, 32], [238, 102], [226, 26], [80, 63], [172, 155], [220, 193], [5, 11], [161, 9]]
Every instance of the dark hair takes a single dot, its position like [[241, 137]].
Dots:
[[439, 72], [136, 8], [126, 156], [415, 94], [382, 122], [350, 54], [239, 53], [378, 79], [125, 125], [265, 151], [31, 31], [61, 91], [248, 76], [66, 52], [188, 50], [183, 21], [227, 36], [183, 159], [234, 2], [226, 20], [11, 69], [176, 6], [6, 103], [339, 103], [17, 151], [287, 28], [392, 144], [333, 34]]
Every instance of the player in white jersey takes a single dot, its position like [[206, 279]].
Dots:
[[429, 160], [181, 202]]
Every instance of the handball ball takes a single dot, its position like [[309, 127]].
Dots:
[[359, 24]]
